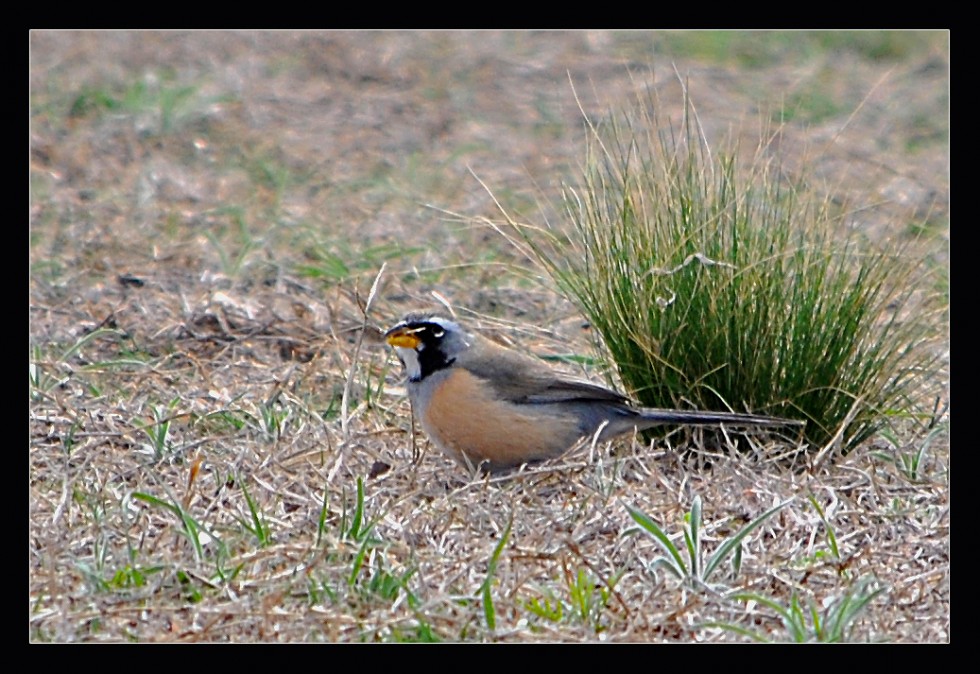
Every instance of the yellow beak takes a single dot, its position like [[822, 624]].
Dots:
[[402, 337]]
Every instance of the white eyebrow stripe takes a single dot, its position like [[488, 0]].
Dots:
[[445, 323]]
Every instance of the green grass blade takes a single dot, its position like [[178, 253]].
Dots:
[[694, 541], [486, 594], [258, 527], [652, 528], [831, 536], [734, 541]]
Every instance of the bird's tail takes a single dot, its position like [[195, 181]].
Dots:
[[655, 416]]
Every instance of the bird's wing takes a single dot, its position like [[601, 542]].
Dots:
[[559, 389], [523, 379]]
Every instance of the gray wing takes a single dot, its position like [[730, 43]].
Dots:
[[523, 379]]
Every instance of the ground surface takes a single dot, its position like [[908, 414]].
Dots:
[[208, 213]]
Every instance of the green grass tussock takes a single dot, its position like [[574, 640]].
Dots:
[[721, 283]]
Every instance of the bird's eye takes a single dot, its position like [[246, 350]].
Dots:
[[438, 332]]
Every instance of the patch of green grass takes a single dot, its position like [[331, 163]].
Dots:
[[195, 532], [721, 283], [583, 599], [878, 45], [339, 260], [927, 228], [588, 597], [222, 421], [911, 458], [270, 172], [233, 241], [767, 48], [358, 569], [387, 584], [808, 623], [210, 550], [928, 130], [422, 633], [546, 606], [699, 568], [47, 371], [48, 270], [829, 555], [158, 96], [812, 105], [157, 429], [132, 576]]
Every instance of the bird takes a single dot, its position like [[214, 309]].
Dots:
[[493, 408]]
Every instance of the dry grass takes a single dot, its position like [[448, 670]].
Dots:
[[208, 213]]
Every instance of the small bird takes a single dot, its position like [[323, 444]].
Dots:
[[494, 408]]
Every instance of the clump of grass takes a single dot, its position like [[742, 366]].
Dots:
[[806, 623], [720, 283]]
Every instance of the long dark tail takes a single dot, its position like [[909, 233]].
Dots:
[[693, 417]]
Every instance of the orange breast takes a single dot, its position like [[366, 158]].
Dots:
[[463, 418]]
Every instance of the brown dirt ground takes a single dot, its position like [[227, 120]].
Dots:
[[208, 212]]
